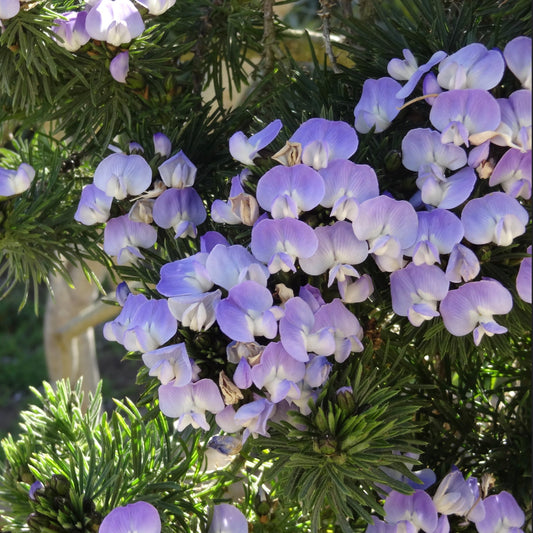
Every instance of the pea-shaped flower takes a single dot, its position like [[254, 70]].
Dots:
[[71, 31], [140, 516]]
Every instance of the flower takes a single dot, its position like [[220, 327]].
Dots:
[[71, 31], [245, 149], [9, 8], [139, 516], [517, 54], [120, 66], [94, 206], [523, 280], [14, 182], [502, 515], [178, 171], [227, 519], [157, 7]]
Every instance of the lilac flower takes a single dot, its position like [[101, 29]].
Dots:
[[246, 313], [438, 232], [378, 526], [251, 351], [16, 181], [471, 308], [389, 226], [278, 373], [445, 192], [114, 21], [423, 152], [239, 265], [115, 329], [185, 276], [242, 377], [378, 105], [459, 114], [298, 332], [139, 516], [162, 144], [195, 311], [253, 416], [416, 508], [71, 31], [178, 171], [515, 127], [502, 515], [189, 403], [523, 280], [409, 70], [415, 291], [170, 363], [430, 85], [142, 210], [120, 175], [119, 67], [472, 67], [495, 217], [94, 206], [151, 326], [513, 173], [324, 140], [210, 239], [9, 8], [278, 243], [517, 54], [346, 186], [338, 249], [287, 191], [180, 209], [228, 519], [157, 7], [463, 264], [455, 495], [317, 371], [123, 238], [35, 486], [346, 330], [356, 291], [245, 149]]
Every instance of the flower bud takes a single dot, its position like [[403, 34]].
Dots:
[[346, 400]]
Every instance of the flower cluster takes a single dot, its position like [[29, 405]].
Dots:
[[281, 305], [455, 495]]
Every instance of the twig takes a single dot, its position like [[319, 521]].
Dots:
[[269, 35], [325, 15]]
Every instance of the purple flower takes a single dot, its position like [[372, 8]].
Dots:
[[459, 114], [162, 144], [416, 508], [170, 363], [517, 54], [114, 21], [246, 313], [513, 173], [123, 238], [338, 249], [94, 206], [515, 127], [471, 308], [523, 280], [239, 265], [139, 516], [228, 519], [325, 140], [298, 332], [9, 8], [495, 217], [378, 526], [389, 226], [35, 486], [409, 70], [178, 171], [278, 243], [16, 181], [287, 191], [317, 371], [71, 31], [430, 85], [185, 276], [471, 67], [378, 105], [245, 149], [438, 232], [253, 416], [189, 403], [180, 209], [455, 495], [119, 67], [463, 264], [502, 515], [114, 330], [195, 311], [278, 373], [416, 290], [157, 7], [151, 326], [356, 291], [346, 186], [120, 175]]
